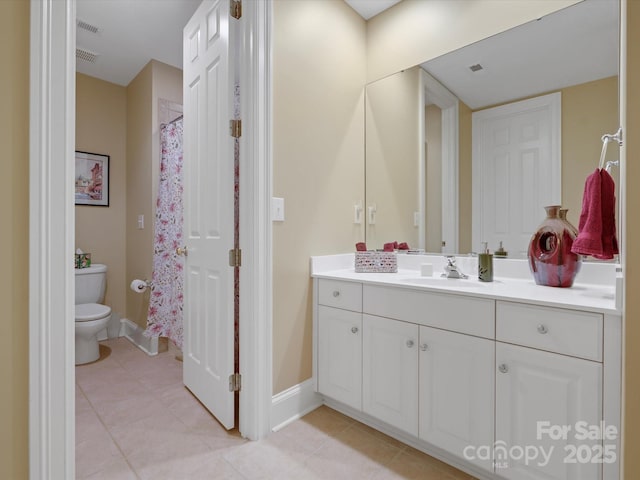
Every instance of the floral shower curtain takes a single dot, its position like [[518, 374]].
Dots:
[[165, 305]]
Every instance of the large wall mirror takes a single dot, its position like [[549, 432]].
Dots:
[[470, 146]]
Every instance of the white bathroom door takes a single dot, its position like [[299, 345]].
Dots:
[[516, 171], [208, 349]]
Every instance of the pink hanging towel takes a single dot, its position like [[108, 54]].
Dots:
[[609, 240], [597, 230]]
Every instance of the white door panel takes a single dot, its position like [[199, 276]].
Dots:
[[209, 222]]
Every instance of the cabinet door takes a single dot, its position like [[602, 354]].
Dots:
[[340, 355], [536, 390], [457, 392], [390, 372]]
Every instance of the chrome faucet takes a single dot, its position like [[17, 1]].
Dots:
[[451, 269]]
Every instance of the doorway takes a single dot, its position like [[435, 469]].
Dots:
[[52, 139]]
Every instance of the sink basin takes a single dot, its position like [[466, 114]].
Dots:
[[444, 282]]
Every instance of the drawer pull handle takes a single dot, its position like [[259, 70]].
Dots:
[[336, 293], [542, 329], [354, 329], [504, 368], [424, 347], [410, 343]]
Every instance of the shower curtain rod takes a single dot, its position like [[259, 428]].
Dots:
[[172, 121]]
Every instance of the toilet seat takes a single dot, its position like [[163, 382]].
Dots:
[[86, 312]]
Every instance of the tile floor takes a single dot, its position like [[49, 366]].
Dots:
[[135, 420]]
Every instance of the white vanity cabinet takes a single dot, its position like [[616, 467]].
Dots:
[[544, 392], [534, 386], [473, 379], [456, 392], [340, 355], [339, 366], [390, 372]]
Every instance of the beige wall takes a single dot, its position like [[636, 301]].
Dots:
[[155, 81], [588, 111], [631, 252], [139, 190], [14, 239], [414, 31], [101, 127], [318, 153], [393, 149]]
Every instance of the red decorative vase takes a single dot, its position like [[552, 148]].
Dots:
[[550, 258]]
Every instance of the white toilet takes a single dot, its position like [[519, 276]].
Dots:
[[91, 316]]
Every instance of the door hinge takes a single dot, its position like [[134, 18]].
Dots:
[[236, 9], [236, 128], [235, 257], [235, 382]]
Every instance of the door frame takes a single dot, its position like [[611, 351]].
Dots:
[[448, 103], [52, 233]]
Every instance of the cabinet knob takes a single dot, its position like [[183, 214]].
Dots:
[[542, 329], [424, 347], [504, 368], [410, 343], [354, 329], [336, 293], [180, 251]]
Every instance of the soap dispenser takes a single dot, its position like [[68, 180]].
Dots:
[[485, 264], [500, 252]]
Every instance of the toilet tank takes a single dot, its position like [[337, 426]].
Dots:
[[91, 283]]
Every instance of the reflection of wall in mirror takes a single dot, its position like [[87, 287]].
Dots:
[[393, 154]]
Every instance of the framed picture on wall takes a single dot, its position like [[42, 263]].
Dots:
[[92, 179]]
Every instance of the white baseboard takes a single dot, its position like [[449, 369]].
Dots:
[[134, 334], [293, 403]]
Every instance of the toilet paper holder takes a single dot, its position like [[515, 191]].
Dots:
[[141, 286]]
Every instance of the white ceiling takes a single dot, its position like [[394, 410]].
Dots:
[[131, 32], [569, 47], [370, 8], [572, 46]]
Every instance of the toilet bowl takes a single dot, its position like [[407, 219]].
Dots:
[[91, 318]]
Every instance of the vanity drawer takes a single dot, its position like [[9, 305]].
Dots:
[[345, 295], [569, 332], [457, 313]]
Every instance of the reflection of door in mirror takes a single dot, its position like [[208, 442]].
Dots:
[[516, 170]]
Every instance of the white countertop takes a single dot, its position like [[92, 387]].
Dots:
[[516, 287]]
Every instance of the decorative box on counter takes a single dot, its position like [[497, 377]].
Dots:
[[376, 262], [83, 260]]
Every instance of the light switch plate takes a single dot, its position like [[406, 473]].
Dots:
[[140, 222], [277, 209]]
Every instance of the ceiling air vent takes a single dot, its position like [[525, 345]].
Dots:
[[476, 68], [86, 55], [87, 26]]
